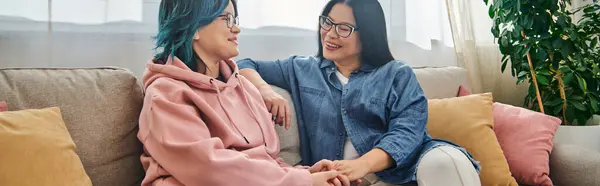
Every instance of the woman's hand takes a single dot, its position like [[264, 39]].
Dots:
[[323, 178], [323, 165], [277, 105], [328, 165], [353, 169]]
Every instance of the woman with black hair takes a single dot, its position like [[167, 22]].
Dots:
[[358, 105]]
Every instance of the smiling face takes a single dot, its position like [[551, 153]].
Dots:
[[219, 38], [336, 46]]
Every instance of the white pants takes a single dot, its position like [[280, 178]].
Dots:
[[441, 166]]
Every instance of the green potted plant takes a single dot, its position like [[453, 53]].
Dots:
[[559, 57]]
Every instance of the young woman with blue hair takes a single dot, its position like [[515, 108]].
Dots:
[[202, 123], [358, 105]]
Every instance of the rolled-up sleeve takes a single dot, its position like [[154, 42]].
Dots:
[[407, 126]]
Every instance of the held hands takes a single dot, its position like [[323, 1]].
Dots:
[[353, 169], [323, 173], [277, 105]]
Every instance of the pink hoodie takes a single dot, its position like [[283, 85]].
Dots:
[[197, 130]]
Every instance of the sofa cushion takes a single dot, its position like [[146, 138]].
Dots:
[[468, 121], [3, 106], [100, 107], [525, 137], [574, 165], [441, 82], [38, 150]]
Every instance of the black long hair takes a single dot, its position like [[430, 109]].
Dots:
[[370, 21]]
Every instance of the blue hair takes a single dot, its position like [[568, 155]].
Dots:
[[178, 21]]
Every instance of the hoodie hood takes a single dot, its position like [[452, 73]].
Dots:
[[176, 69]]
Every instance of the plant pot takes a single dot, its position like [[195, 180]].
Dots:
[[595, 120], [584, 136]]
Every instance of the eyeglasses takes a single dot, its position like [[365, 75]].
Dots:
[[230, 20], [342, 29]]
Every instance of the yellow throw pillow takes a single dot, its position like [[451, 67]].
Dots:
[[468, 121], [37, 150]]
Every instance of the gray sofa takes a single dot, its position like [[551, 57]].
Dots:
[[101, 107]]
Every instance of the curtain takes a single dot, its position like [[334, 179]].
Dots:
[[477, 52], [90, 33], [418, 31], [74, 11]]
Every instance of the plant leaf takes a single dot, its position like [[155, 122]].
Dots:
[[504, 41], [557, 43], [565, 70], [574, 35], [561, 21], [557, 111], [578, 106], [576, 98], [522, 73], [504, 62], [568, 79], [570, 114], [529, 23], [595, 69], [594, 43], [542, 79], [594, 103], [541, 54], [491, 11], [554, 102], [582, 83], [543, 71]]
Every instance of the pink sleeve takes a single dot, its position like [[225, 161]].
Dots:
[[282, 163], [181, 144]]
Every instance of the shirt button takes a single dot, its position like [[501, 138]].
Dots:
[[341, 134]]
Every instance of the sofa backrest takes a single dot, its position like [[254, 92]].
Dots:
[[441, 82], [100, 107], [437, 82]]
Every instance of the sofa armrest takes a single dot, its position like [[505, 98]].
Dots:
[[574, 165]]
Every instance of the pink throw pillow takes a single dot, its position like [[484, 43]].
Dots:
[[525, 136], [3, 106]]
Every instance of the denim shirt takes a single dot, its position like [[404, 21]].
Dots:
[[380, 107]]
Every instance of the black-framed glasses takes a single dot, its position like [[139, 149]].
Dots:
[[231, 20], [342, 29]]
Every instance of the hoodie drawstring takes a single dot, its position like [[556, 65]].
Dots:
[[227, 113], [250, 107]]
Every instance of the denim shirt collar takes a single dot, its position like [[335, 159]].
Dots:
[[364, 67]]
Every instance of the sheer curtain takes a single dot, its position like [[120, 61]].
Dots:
[[89, 33], [477, 52], [418, 31], [74, 11]]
